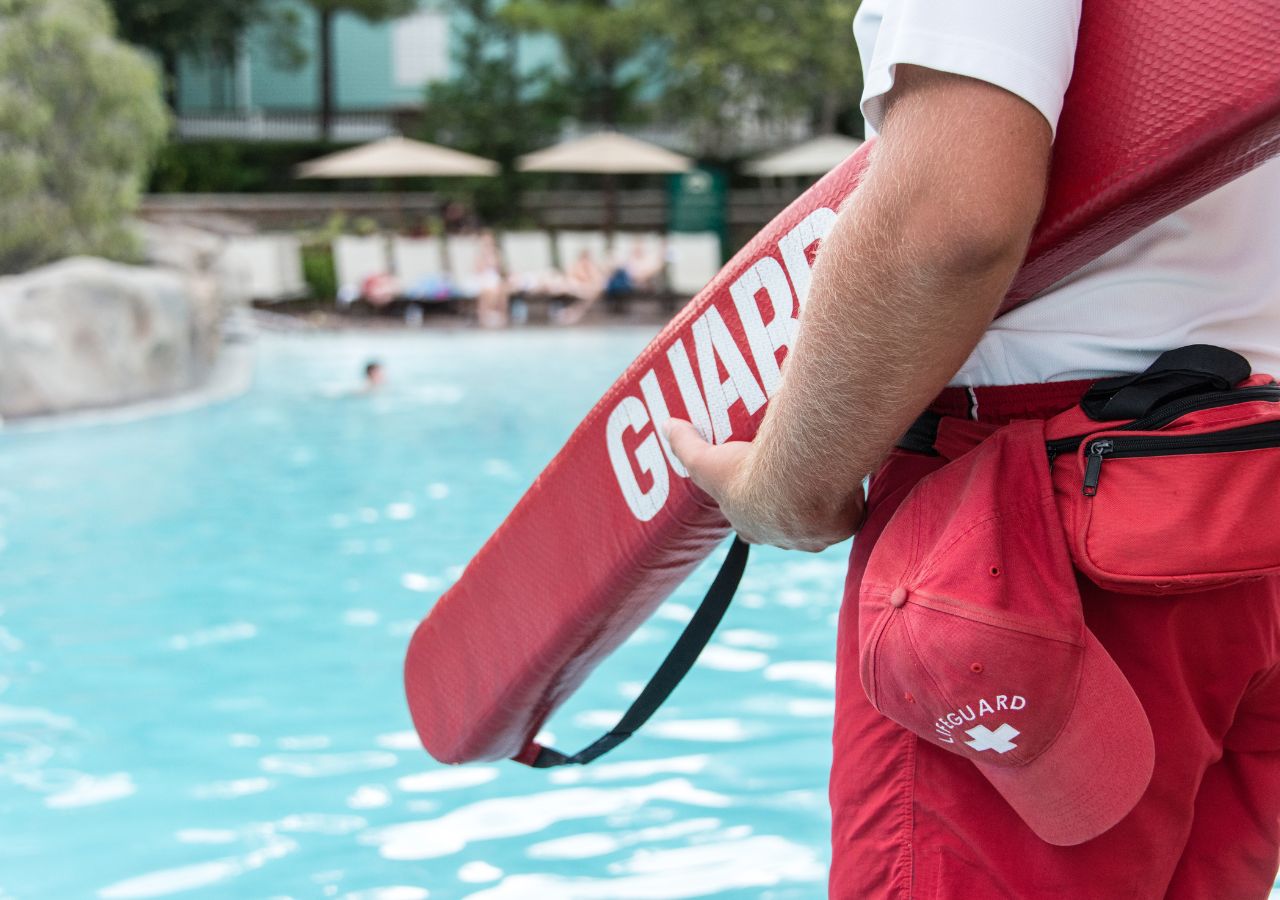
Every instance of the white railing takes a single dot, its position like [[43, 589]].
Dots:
[[283, 126]]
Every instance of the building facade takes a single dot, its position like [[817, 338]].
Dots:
[[380, 73]]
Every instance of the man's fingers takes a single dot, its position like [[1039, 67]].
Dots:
[[685, 442], [697, 456]]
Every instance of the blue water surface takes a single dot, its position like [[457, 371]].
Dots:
[[203, 619]]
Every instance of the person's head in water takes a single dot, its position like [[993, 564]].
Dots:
[[374, 376]]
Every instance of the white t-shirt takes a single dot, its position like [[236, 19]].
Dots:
[[1207, 274]]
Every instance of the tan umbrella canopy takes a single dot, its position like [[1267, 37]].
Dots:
[[814, 157], [610, 154], [606, 153], [398, 157]]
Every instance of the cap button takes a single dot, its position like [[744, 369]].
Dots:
[[898, 598]]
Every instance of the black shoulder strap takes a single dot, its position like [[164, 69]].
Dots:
[[1179, 373], [677, 664]]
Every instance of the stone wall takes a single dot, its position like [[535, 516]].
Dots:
[[85, 333]]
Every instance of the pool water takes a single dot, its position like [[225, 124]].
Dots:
[[202, 623]]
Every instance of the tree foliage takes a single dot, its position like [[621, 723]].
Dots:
[[209, 28], [372, 10], [710, 66], [735, 60], [603, 43], [493, 109], [80, 119]]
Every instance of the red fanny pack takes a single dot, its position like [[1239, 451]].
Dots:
[[1160, 478]]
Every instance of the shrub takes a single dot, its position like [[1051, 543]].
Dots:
[[201, 167], [81, 116], [319, 272]]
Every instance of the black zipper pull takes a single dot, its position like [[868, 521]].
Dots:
[[1093, 467]]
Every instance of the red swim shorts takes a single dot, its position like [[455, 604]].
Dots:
[[911, 820]]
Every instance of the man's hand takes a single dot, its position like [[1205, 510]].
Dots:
[[761, 509], [905, 284]]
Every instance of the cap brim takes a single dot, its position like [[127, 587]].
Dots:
[[1097, 769]]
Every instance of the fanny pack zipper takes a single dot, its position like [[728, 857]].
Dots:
[[1250, 437], [1168, 413]]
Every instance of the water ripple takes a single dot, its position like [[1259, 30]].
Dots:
[[478, 872], [584, 846], [512, 816], [745, 637], [90, 790], [198, 875], [446, 780], [819, 673], [219, 634], [731, 659], [674, 765], [369, 796], [704, 870], [718, 730], [321, 765]]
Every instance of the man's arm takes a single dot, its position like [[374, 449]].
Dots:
[[903, 287]]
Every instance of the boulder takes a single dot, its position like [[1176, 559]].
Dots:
[[85, 333]]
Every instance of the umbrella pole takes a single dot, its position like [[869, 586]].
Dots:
[[397, 202], [610, 208]]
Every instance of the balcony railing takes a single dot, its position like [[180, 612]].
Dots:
[[284, 126]]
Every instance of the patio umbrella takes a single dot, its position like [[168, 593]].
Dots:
[[814, 157], [610, 154], [398, 157]]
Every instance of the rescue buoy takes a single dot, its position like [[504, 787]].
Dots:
[[1168, 102]]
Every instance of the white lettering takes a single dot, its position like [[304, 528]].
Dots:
[[712, 340], [695, 405], [766, 340], [1017, 702], [794, 247], [1002, 701], [708, 400], [984, 708], [659, 414], [631, 414]]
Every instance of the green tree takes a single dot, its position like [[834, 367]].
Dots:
[[604, 46], [491, 108], [326, 10], [81, 117], [734, 60], [209, 29]]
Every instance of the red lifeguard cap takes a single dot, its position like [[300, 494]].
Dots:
[[973, 637]]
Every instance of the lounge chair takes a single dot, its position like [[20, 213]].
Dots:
[[270, 266], [570, 244], [419, 264], [532, 277], [692, 261], [356, 260]]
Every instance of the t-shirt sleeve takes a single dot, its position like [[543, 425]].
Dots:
[[1026, 47]]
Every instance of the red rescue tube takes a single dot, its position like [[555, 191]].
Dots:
[[1168, 102]]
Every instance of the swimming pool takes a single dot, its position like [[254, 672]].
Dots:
[[202, 623]]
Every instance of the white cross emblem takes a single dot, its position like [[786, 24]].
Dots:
[[1000, 740]]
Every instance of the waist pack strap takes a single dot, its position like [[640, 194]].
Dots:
[[922, 436], [1175, 374], [677, 664]]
